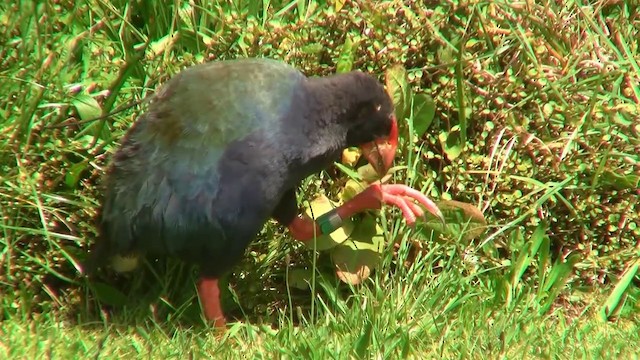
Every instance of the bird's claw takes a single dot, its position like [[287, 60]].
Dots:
[[403, 197]]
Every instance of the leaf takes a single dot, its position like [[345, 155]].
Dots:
[[355, 258], [528, 252], [351, 189], [312, 49], [557, 280], [361, 180], [463, 111], [350, 156], [543, 260], [618, 291], [72, 176], [87, 107], [347, 171], [320, 206], [368, 173], [164, 44], [451, 143], [503, 290], [398, 89], [620, 182], [340, 4], [364, 340], [109, 295], [424, 110], [521, 263], [463, 221], [346, 57]]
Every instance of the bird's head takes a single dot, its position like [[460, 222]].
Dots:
[[373, 127]]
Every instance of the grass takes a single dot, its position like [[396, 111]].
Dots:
[[414, 315], [535, 124], [410, 313]]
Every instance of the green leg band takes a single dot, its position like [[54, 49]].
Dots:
[[329, 222]]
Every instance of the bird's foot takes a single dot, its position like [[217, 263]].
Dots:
[[401, 196], [404, 196]]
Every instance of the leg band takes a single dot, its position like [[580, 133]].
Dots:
[[329, 222]]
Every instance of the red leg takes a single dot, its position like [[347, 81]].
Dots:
[[209, 294], [302, 226]]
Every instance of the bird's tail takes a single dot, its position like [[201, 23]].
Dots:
[[101, 256]]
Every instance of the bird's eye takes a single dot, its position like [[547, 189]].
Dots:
[[378, 107]]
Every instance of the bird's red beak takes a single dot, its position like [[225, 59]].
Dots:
[[380, 153]]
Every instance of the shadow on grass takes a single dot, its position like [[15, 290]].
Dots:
[[163, 293]]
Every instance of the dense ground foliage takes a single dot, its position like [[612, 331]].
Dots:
[[536, 123]]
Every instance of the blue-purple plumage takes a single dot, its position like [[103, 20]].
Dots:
[[220, 150]]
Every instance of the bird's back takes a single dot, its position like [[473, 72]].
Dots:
[[184, 180]]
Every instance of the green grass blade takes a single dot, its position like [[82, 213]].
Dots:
[[618, 291]]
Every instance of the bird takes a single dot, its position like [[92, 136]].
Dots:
[[222, 148]]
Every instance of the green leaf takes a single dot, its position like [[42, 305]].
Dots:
[[351, 189], [72, 176], [87, 107], [312, 49], [543, 260], [164, 44], [503, 291], [618, 181], [355, 258], [348, 171], [347, 55], [108, 294], [618, 292], [320, 206], [463, 221], [362, 179], [557, 280], [521, 263], [398, 89], [368, 173], [529, 252], [451, 143], [461, 94], [424, 110], [364, 340]]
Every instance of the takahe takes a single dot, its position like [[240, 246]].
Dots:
[[223, 147]]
